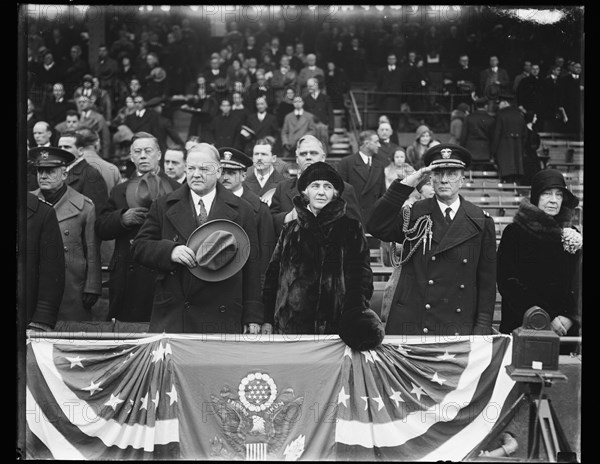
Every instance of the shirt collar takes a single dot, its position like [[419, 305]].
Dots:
[[454, 206], [239, 192], [364, 157], [207, 199], [298, 112]]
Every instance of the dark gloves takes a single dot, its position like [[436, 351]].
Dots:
[[89, 299], [361, 329], [134, 217]]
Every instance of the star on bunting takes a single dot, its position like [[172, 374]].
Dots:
[[114, 401], [445, 356], [342, 397], [155, 400], [172, 395], [75, 361], [379, 402], [438, 379], [93, 388], [417, 391], [144, 402], [366, 400], [158, 354], [395, 396], [348, 351], [368, 356]]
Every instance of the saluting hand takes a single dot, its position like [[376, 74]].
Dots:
[[134, 216], [184, 255], [413, 179]]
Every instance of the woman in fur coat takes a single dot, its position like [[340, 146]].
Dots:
[[319, 280], [539, 257]]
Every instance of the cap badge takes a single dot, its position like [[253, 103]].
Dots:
[[44, 155], [227, 155], [446, 152]]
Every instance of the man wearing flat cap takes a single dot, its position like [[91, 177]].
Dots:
[[234, 164], [448, 282], [76, 216], [203, 285]]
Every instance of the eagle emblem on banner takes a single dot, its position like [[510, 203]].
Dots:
[[256, 420]]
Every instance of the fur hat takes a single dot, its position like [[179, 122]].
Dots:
[[320, 171], [421, 130], [547, 179], [361, 329]]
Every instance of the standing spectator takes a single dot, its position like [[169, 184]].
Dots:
[[529, 94], [309, 150], [273, 50], [165, 129], [224, 130], [123, 45], [310, 70], [415, 151], [56, 107], [448, 282], [301, 295], [130, 291], [88, 144], [337, 85], [196, 98], [283, 76], [355, 61], [296, 125], [125, 74], [261, 124], [174, 61], [95, 121], [508, 143], [463, 80], [175, 163], [539, 257], [70, 123], [571, 87], [531, 162], [75, 69], [364, 171], [235, 73], [81, 175], [106, 69], [457, 118], [42, 134], [477, 132], [49, 73], [88, 90], [286, 106], [522, 75], [33, 117], [261, 88], [76, 217], [250, 51], [493, 80], [104, 102], [387, 147], [142, 120], [297, 62], [233, 177], [389, 80], [319, 105], [156, 83], [263, 176], [195, 294], [251, 65], [415, 80], [551, 114], [45, 265]]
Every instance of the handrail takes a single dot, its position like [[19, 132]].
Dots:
[[355, 109]]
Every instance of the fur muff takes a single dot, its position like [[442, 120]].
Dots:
[[319, 269], [361, 329]]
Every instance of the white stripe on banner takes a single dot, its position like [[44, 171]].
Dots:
[[457, 447], [40, 425], [415, 424], [83, 415]]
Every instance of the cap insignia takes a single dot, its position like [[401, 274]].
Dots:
[[446, 152], [227, 155], [44, 155]]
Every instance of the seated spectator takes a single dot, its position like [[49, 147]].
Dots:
[[104, 102], [156, 79], [235, 72], [261, 88], [88, 90], [286, 106], [337, 85], [415, 152], [283, 77], [310, 70], [399, 168], [142, 120], [56, 107]]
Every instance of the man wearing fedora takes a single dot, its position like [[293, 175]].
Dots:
[[309, 150], [202, 242], [130, 288], [76, 216], [234, 164], [448, 282]]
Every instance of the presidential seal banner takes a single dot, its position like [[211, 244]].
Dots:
[[229, 397]]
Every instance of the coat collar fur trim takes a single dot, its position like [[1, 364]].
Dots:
[[541, 225]]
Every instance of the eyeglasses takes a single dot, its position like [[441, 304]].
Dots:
[[451, 176]]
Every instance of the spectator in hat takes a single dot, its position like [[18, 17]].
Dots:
[[262, 175], [76, 216], [106, 69], [477, 132], [234, 164], [45, 264], [304, 294], [448, 282], [130, 292], [539, 257], [508, 141], [207, 271], [309, 150], [415, 151]]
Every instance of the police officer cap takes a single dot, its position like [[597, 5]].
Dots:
[[50, 157], [447, 155], [234, 159]]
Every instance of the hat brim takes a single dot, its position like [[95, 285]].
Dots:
[[135, 200], [447, 164], [130, 193], [198, 237]]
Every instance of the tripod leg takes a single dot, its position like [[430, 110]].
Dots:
[[548, 430]]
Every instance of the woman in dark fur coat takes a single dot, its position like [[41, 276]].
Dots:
[[539, 257], [319, 280]]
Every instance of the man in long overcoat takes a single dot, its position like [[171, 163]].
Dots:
[[130, 288], [447, 286], [184, 302], [508, 143], [477, 132]]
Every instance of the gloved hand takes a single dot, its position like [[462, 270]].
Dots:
[[134, 216], [266, 329], [561, 325], [89, 299]]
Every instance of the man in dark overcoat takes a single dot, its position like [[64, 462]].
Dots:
[[309, 150], [447, 286], [477, 132], [184, 302], [364, 171], [508, 142], [263, 176], [130, 289]]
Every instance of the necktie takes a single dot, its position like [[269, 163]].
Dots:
[[203, 214], [448, 218], [297, 116]]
